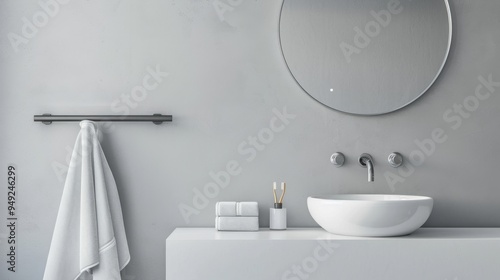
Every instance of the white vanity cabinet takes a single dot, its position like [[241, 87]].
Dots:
[[312, 253]]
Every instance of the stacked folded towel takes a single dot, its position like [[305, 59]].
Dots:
[[237, 216]]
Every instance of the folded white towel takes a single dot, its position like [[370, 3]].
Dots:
[[233, 208], [89, 240], [237, 223]]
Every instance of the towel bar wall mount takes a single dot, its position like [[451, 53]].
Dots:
[[155, 118]]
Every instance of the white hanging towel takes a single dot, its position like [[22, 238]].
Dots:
[[89, 240]]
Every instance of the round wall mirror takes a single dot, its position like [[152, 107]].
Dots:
[[365, 57]]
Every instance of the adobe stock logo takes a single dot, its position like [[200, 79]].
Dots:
[[139, 93], [454, 116], [248, 149], [39, 19], [363, 38], [222, 7], [151, 80], [310, 264]]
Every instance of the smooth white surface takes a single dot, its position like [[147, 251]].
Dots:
[[237, 223], [316, 233], [277, 218], [426, 254], [370, 214], [233, 208]]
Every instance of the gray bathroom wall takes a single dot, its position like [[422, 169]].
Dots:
[[216, 66]]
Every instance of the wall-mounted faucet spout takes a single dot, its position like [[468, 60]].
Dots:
[[366, 161]]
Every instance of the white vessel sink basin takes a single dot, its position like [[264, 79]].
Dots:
[[370, 214]]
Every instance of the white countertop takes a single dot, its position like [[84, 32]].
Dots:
[[320, 234]]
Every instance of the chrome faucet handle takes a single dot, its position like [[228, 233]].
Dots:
[[395, 159], [337, 159]]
